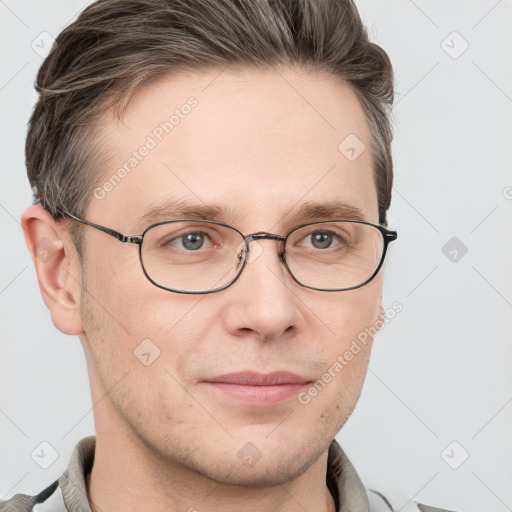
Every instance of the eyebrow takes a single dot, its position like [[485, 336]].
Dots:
[[309, 211], [331, 210], [181, 209]]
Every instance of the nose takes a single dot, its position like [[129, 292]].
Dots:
[[263, 302]]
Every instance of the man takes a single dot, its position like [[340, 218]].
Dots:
[[211, 181]]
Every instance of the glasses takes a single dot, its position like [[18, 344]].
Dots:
[[200, 256]]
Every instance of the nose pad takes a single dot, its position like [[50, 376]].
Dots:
[[250, 255], [255, 250], [241, 255], [251, 249], [281, 254]]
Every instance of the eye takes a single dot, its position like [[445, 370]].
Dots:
[[323, 239], [190, 241]]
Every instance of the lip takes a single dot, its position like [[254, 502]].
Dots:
[[258, 388]]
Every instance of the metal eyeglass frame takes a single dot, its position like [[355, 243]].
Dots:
[[387, 235]]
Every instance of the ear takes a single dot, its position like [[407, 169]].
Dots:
[[57, 266]]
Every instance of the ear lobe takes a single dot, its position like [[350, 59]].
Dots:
[[57, 267]]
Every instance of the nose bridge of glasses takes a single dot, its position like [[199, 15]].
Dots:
[[263, 235]]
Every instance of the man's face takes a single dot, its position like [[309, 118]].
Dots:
[[259, 145]]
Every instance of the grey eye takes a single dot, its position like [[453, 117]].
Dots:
[[192, 241], [321, 239]]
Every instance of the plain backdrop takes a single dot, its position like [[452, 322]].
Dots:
[[434, 420]]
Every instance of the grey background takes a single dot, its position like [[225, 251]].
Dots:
[[440, 371]]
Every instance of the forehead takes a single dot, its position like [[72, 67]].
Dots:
[[260, 143]]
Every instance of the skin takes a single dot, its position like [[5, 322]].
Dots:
[[255, 145]]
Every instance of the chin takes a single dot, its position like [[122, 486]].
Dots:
[[262, 474], [273, 465]]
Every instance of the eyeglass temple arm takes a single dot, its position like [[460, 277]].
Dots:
[[133, 239]]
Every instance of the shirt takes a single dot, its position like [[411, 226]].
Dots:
[[69, 492]]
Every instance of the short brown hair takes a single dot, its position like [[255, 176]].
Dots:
[[117, 46]]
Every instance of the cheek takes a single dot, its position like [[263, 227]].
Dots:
[[352, 319], [115, 307], [122, 297], [126, 316], [352, 313]]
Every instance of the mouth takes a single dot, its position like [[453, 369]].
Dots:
[[257, 388]]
